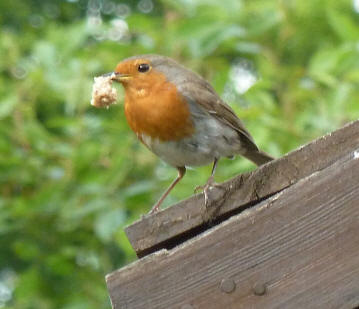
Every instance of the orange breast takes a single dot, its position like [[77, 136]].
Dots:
[[156, 109]]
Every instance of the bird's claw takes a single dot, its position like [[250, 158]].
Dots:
[[209, 191]]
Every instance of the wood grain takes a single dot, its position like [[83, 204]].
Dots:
[[300, 246], [182, 221]]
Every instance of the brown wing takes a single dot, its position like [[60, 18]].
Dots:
[[201, 92]]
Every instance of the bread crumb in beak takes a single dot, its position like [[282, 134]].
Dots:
[[103, 94]]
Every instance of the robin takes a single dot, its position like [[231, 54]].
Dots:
[[178, 115]]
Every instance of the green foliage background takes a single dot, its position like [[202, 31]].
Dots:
[[72, 176]]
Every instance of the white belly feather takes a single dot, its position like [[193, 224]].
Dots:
[[212, 139]]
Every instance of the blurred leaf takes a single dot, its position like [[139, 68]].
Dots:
[[7, 106], [108, 223], [342, 24]]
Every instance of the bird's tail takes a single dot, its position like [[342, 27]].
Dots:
[[258, 157]]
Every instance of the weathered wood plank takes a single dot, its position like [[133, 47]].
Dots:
[[301, 246], [183, 220]]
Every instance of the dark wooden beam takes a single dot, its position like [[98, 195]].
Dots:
[[297, 249], [182, 221]]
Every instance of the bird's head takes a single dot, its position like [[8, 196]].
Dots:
[[134, 71], [139, 75], [147, 72]]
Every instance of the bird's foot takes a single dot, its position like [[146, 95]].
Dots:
[[154, 209], [212, 191]]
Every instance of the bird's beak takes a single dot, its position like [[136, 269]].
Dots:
[[117, 77]]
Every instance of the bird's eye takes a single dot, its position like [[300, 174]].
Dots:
[[143, 67]]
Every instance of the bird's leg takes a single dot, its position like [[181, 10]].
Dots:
[[181, 173], [210, 184]]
